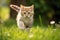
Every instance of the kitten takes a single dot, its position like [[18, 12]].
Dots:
[[25, 16]]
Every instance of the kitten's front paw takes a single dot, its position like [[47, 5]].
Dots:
[[22, 28]]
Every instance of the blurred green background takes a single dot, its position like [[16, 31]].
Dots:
[[41, 30]]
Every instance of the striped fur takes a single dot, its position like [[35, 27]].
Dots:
[[15, 7]]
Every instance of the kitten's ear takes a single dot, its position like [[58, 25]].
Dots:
[[32, 7], [21, 6], [15, 7]]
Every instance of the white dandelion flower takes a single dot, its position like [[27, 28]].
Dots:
[[52, 22]]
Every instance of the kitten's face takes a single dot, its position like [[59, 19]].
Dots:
[[27, 11]]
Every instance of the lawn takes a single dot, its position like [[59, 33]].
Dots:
[[10, 31]]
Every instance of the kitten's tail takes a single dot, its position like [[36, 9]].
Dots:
[[15, 7]]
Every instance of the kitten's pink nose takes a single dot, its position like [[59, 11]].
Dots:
[[26, 15]]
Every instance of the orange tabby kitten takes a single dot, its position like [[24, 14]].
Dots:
[[25, 16]]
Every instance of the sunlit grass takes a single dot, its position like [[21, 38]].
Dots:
[[36, 33], [4, 13]]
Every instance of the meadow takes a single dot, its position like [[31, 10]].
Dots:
[[10, 31]]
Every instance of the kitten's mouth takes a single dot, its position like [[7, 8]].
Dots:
[[27, 16]]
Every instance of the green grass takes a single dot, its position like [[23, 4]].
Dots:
[[10, 31], [4, 13]]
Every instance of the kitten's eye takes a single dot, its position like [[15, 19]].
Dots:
[[28, 13], [24, 13]]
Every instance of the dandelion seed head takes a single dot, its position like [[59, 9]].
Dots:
[[52, 22]]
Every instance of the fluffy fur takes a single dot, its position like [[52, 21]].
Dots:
[[25, 16]]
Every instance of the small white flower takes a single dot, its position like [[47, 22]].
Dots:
[[31, 35], [52, 22]]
